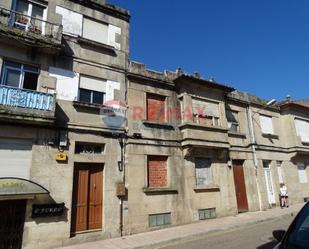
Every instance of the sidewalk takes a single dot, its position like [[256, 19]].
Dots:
[[186, 232]]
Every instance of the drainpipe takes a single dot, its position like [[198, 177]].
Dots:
[[253, 148]]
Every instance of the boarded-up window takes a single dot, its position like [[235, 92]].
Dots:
[[157, 171], [203, 172], [232, 120], [302, 129], [95, 31], [302, 174], [155, 108], [266, 124]]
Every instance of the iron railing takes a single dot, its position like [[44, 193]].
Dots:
[[30, 24], [17, 97]]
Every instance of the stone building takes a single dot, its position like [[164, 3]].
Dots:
[[95, 146], [62, 153], [198, 149]]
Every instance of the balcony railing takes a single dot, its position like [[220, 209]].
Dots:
[[31, 25], [23, 98]]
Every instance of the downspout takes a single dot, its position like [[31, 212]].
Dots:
[[124, 144], [253, 148]]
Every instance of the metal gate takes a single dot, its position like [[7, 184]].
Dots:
[[12, 218]]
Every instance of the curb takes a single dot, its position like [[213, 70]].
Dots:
[[214, 231]]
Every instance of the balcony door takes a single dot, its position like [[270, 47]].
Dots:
[[30, 16], [19, 76]]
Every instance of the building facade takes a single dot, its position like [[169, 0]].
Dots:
[[62, 153], [95, 146]]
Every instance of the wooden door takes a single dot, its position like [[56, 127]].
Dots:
[[87, 197], [240, 187], [95, 198], [12, 218]]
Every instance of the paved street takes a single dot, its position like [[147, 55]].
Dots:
[[257, 236]]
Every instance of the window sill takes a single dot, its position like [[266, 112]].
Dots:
[[236, 134], [159, 191], [206, 127], [207, 188], [87, 105], [157, 125], [86, 41], [268, 135]]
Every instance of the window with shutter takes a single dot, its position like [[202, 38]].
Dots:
[[266, 124], [302, 174], [302, 129], [91, 90], [155, 108], [205, 112], [203, 172], [95, 31]]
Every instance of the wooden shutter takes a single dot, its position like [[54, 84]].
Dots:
[[155, 108], [95, 197]]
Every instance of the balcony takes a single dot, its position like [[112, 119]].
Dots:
[[16, 103], [201, 135], [30, 30]]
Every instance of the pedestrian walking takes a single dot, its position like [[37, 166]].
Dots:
[[284, 195]]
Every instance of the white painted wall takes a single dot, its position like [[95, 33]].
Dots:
[[111, 86], [112, 31], [72, 22], [67, 83]]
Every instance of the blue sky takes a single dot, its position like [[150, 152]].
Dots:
[[258, 46]]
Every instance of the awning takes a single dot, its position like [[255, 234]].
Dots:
[[18, 188]]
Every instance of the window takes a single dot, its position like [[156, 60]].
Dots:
[[157, 171], [302, 174], [266, 124], [302, 129], [88, 148], [206, 113], [95, 31], [19, 75], [279, 170], [159, 219], [92, 90], [232, 120], [30, 16], [155, 108], [203, 172], [208, 213]]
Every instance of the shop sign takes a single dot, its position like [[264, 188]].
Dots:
[[17, 186], [47, 210]]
